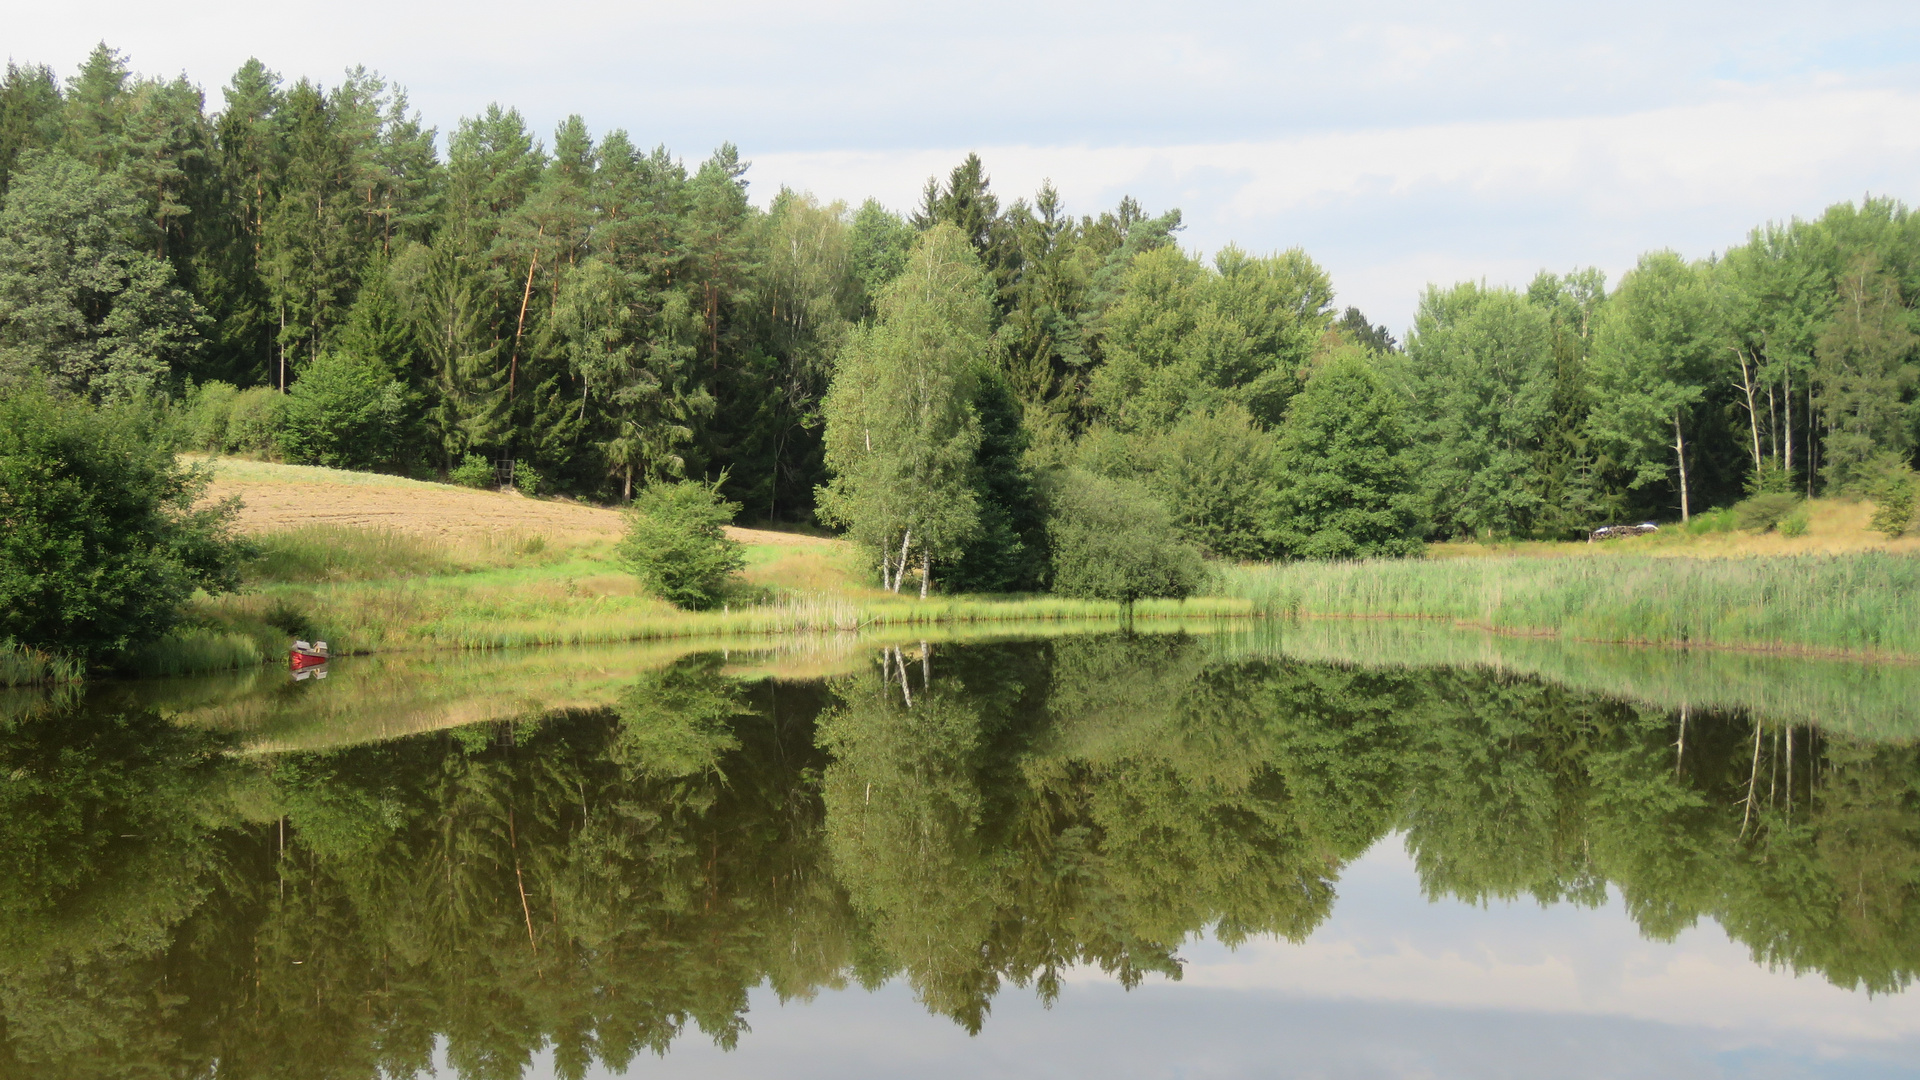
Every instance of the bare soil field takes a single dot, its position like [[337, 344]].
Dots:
[[276, 497]]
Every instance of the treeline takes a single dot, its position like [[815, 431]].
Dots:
[[599, 883], [301, 272]]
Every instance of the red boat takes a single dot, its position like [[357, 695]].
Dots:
[[306, 655]]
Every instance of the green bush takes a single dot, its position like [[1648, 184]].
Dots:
[[474, 472], [1795, 524], [1893, 500], [1112, 540], [1764, 511], [253, 420], [202, 423], [526, 481], [345, 412], [676, 544], [1713, 521], [102, 542]]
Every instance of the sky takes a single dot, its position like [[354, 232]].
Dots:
[[1392, 985], [1400, 144]]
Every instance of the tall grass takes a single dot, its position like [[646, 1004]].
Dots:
[[197, 651], [22, 666], [1860, 604], [317, 553]]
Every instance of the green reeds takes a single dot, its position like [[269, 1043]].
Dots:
[[196, 651], [1862, 604], [22, 666]]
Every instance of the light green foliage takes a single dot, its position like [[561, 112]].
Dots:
[[1893, 496], [1214, 471], [203, 417], [1183, 336], [1655, 349], [1763, 512], [319, 553], [253, 421], [1347, 488], [1112, 540], [1479, 380], [1795, 523], [82, 309], [346, 411], [473, 472], [103, 541], [676, 544], [901, 427]]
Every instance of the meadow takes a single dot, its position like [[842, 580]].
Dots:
[[378, 564]]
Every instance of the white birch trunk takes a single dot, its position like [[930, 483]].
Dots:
[[1680, 451], [905, 539]]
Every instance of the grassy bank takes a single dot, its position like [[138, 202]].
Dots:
[[371, 590], [1865, 604]]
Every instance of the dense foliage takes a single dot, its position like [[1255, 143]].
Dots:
[[1112, 540], [603, 314], [676, 542], [100, 538]]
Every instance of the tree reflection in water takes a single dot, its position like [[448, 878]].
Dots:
[[596, 881]]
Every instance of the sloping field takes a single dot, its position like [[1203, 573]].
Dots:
[[277, 497]]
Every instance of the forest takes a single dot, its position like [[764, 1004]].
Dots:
[[313, 273]]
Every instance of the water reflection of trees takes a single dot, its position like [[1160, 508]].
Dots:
[[597, 882]]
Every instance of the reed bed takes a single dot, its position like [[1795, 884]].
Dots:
[[1864, 604], [23, 666], [198, 651]]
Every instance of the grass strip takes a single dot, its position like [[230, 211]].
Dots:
[[1864, 604]]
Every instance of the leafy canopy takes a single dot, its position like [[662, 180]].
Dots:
[[1346, 484]]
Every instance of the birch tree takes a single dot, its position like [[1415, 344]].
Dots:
[[1654, 352], [901, 428]]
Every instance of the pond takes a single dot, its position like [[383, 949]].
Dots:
[[1309, 850]]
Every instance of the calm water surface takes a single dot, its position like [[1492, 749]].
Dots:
[[1109, 855]]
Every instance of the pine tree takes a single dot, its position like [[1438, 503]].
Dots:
[[30, 115]]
